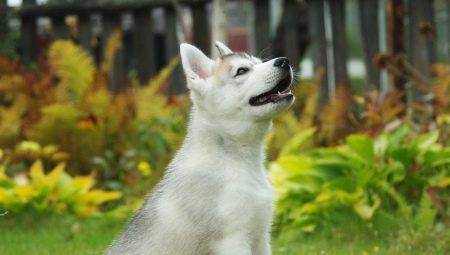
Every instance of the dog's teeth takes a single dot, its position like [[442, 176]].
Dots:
[[279, 93]]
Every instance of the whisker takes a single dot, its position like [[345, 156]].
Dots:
[[262, 52]]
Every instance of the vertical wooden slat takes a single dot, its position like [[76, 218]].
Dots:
[[219, 28], [292, 33], [337, 8], [318, 42], [59, 28], [201, 35], [395, 10], [28, 35], [262, 28], [110, 22], [421, 34], [290, 45], [3, 18], [176, 86], [85, 35], [448, 27], [144, 45], [369, 32]]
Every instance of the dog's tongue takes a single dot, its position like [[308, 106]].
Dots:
[[277, 97]]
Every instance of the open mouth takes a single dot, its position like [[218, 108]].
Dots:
[[279, 93]]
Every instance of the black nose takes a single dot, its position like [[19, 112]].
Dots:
[[283, 63]]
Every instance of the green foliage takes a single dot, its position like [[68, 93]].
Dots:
[[68, 104], [54, 192], [74, 67], [395, 171]]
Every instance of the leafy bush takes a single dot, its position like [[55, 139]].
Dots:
[[68, 103], [399, 170], [55, 192], [20, 158]]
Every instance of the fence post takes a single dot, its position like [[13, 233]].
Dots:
[[144, 45], [422, 30], [337, 10], [292, 34], [318, 43], [111, 21], [85, 31], [263, 48], [395, 37], [172, 49], [4, 13], [201, 34], [59, 28], [368, 13], [28, 34]]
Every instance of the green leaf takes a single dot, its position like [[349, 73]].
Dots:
[[395, 171], [362, 145], [342, 183], [295, 165], [405, 155], [298, 142], [443, 183], [426, 213], [436, 158], [366, 209], [423, 142]]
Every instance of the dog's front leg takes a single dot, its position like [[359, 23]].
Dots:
[[262, 245], [235, 245]]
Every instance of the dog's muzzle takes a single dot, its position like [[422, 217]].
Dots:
[[281, 91]]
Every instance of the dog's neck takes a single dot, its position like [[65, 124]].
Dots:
[[244, 138]]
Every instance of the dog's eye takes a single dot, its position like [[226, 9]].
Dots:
[[241, 71]]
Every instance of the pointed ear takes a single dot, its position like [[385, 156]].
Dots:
[[195, 64], [223, 49]]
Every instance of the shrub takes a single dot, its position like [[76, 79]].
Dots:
[[54, 192], [400, 171], [68, 103]]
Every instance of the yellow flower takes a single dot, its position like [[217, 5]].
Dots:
[[144, 168]]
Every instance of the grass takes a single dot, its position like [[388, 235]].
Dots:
[[65, 235], [347, 234], [56, 235]]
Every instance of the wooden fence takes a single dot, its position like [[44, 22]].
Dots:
[[396, 27]]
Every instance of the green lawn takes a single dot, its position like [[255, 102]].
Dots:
[[63, 235]]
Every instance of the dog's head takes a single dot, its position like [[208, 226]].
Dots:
[[237, 85]]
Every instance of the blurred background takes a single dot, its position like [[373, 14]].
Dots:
[[93, 106]]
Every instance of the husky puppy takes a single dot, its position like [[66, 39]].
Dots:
[[215, 197]]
